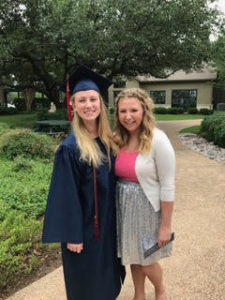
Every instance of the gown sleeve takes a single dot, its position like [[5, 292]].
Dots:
[[63, 217]]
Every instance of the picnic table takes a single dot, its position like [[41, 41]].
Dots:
[[52, 127]]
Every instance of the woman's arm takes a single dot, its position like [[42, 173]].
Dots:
[[165, 164], [165, 227]]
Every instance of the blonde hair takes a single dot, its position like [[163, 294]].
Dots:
[[121, 135], [89, 149]]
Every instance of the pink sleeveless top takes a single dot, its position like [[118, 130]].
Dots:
[[125, 165]]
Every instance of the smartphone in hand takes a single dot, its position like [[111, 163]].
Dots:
[[156, 247]]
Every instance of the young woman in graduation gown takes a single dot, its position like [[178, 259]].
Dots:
[[85, 227]]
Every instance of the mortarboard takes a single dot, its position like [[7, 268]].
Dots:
[[84, 79]]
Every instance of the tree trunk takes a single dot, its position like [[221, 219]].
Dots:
[[53, 95], [29, 96], [2, 96]]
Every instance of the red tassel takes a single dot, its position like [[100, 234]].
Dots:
[[96, 229], [68, 100]]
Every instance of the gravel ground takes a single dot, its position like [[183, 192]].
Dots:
[[201, 145]]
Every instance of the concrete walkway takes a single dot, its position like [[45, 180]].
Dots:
[[196, 269]]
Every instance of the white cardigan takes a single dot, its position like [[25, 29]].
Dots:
[[156, 170]]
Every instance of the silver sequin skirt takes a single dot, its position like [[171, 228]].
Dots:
[[137, 225]]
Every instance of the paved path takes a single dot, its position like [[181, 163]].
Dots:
[[196, 269]]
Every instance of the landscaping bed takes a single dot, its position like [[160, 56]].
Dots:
[[26, 160]]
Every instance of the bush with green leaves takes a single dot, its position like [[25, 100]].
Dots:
[[192, 110], [26, 143], [205, 111], [60, 114], [175, 110], [23, 192], [41, 103], [20, 104], [18, 236], [8, 111], [160, 110], [25, 188], [219, 134], [3, 128], [37, 104], [213, 129], [22, 163]]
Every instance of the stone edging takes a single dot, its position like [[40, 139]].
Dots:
[[199, 144]]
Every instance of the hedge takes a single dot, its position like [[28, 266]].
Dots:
[[60, 114], [26, 143], [181, 110], [8, 111], [37, 104], [213, 129]]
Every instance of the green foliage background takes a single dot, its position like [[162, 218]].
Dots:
[[41, 41], [24, 186], [213, 129]]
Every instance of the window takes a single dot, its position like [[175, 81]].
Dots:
[[119, 84], [184, 98], [159, 97]]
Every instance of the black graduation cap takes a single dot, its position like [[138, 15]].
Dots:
[[84, 79]]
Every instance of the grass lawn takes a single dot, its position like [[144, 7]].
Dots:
[[19, 120], [161, 117], [28, 120], [192, 129]]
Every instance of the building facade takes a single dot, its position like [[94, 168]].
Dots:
[[180, 89]]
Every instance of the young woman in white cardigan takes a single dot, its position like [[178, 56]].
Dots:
[[145, 167]]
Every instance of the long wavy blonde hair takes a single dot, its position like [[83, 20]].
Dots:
[[121, 135], [89, 149]]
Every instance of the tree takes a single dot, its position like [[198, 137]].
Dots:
[[116, 38], [218, 48]]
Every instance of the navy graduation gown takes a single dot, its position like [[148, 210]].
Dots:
[[95, 273]]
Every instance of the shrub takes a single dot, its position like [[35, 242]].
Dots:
[[8, 111], [21, 163], [175, 110], [22, 202], [26, 143], [20, 104], [58, 115], [192, 110], [41, 103], [37, 104], [205, 111], [213, 129], [219, 134], [3, 128], [17, 239], [25, 189], [160, 110]]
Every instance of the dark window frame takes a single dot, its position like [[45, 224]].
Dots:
[[161, 100], [119, 84], [180, 98]]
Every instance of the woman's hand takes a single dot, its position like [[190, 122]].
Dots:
[[75, 247], [165, 227], [164, 236]]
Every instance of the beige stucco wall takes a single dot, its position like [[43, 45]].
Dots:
[[111, 90], [204, 91]]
